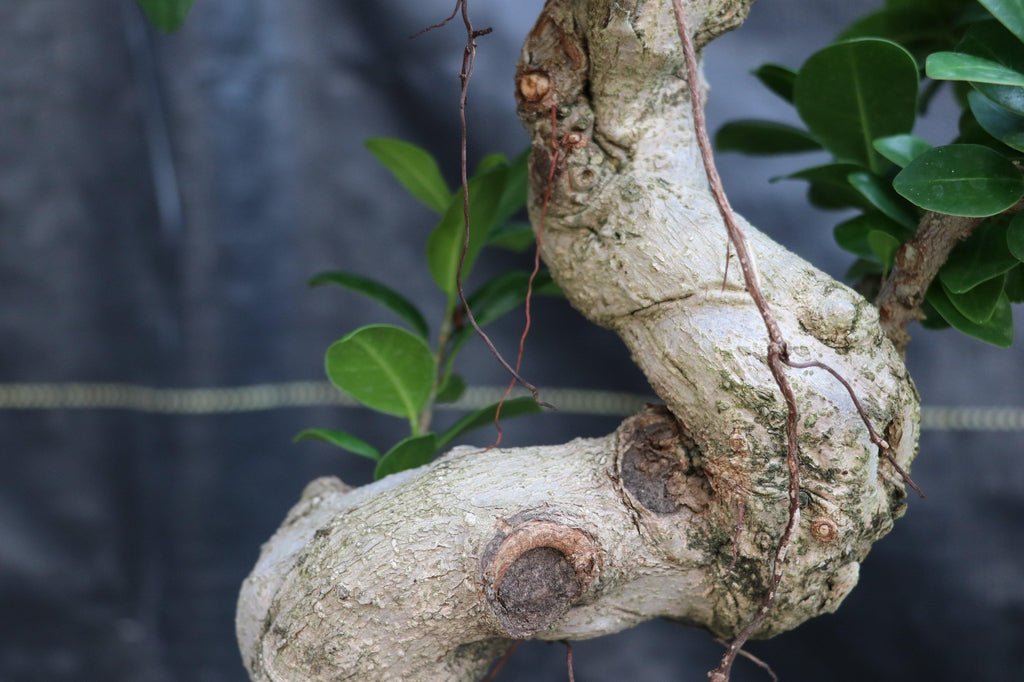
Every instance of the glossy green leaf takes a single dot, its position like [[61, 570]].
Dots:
[[884, 246], [1015, 237], [978, 304], [881, 195], [932, 319], [921, 28], [971, 132], [1009, 12], [414, 168], [852, 234], [515, 407], [453, 388], [777, 78], [383, 367], [901, 149], [390, 298], [990, 40], [900, 25], [445, 244], [1000, 123], [829, 187], [980, 257], [998, 331], [762, 138], [954, 66], [961, 179], [1015, 284], [851, 93], [515, 237], [167, 15], [345, 441], [410, 453]]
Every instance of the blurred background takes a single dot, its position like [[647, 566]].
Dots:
[[163, 200]]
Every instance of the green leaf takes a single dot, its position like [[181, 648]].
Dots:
[[515, 237], [779, 79], [921, 29], [762, 138], [453, 388], [1015, 284], [345, 441], [1015, 237], [852, 234], [1000, 123], [971, 132], [979, 258], [961, 179], [883, 245], [516, 407], [391, 299], [445, 244], [410, 453], [1009, 12], [490, 162], [998, 331], [829, 187], [978, 304], [851, 93], [901, 149], [383, 367], [954, 66], [167, 15], [414, 168], [881, 195], [932, 319], [990, 40]]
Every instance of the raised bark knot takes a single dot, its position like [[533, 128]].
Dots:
[[656, 464], [824, 529], [534, 570], [534, 86]]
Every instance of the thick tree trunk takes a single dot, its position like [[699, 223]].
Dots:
[[428, 574]]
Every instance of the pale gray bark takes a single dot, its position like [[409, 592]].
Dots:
[[427, 575]]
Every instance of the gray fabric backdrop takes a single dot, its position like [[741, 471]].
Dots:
[[162, 202]]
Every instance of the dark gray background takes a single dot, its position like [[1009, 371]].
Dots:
[[124, 536]]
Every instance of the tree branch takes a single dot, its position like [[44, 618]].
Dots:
[[916, 264], [431, 573]]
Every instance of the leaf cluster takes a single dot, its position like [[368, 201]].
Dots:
[[859, 99], [394, 369]]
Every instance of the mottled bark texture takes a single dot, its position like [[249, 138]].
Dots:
[[427, 575]]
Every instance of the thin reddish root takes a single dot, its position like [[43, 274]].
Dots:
[[776, 347], [491, 676], [568, 659], [554, 156], [883, 445], [755, 660], [441, 24], [465, 76]]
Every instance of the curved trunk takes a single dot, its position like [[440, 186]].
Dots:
[[428, 574]]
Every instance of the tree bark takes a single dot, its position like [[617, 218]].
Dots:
[[428, 574]]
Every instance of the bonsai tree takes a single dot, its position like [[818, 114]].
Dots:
[[743, 505]]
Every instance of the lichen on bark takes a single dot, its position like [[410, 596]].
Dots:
[[428, 574]]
